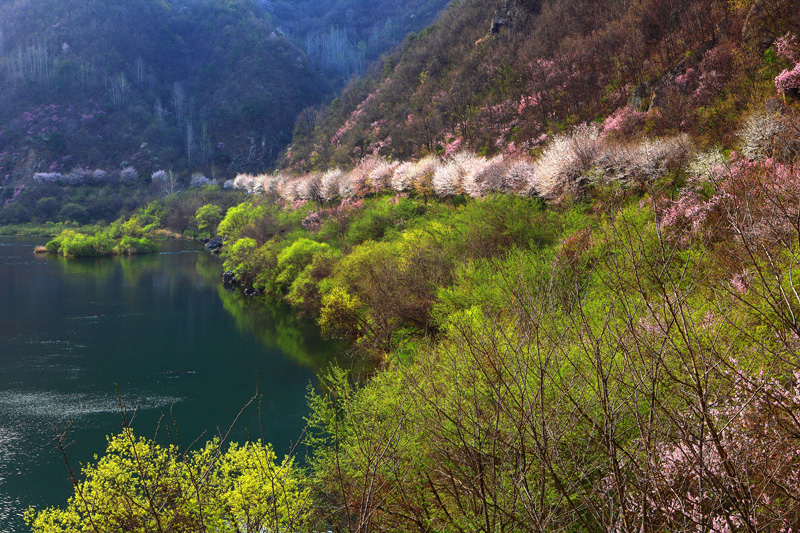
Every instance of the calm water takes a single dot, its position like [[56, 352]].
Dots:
[[159, 329]]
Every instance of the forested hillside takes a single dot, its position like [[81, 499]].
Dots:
[[343, 36], [190, 85], [504, 77], [92, 89], [565, 232]]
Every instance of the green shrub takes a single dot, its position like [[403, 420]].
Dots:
[[81, 245], [208, 218], [205, 490], [133, 246], [295, 258], [237, 219]]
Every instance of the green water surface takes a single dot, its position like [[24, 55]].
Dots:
[[158, 332]]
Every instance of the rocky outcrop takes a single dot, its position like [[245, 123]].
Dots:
[[510, 12], [229, 278], [26, 166], [214, 245], [765, 18]]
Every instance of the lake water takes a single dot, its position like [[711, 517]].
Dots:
[[157, 332]]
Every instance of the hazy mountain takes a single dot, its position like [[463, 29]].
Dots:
[[343, 36], [187, 85]]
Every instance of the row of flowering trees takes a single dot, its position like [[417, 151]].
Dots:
[[81, 176], [567, 161]]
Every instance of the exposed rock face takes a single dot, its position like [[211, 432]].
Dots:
[[27, 166], [764, 18], [509, 12], [638, 96], [229, 278], [497, 25], [214, 245]]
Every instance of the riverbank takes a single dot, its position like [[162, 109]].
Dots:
[[46, 229], [527, 346]]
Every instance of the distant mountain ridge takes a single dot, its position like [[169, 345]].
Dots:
[[184, 84], [147, 83]]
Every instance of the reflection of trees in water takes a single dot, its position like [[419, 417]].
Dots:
[[277, 326], [182, 262], [100, 268], [208, 268], [274, 325]]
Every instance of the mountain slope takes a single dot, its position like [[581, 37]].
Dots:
[[343, 36], [505, 75], [150, 83]]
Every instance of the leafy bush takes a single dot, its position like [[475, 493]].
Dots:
[[133, 246], [294, 259], [78, 245], [237, 219], [139, 485], [71, 243], [208, 218]]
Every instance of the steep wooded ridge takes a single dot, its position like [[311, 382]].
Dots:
[[502, 76], [343, 36]]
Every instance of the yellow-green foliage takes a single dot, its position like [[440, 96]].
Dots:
[[237, 218], [140, 486], [341, 313], [133, 246], [208, 218], [294, 259], [80, 245], [558, 370]]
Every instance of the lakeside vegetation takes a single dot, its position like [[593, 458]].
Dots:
[[590, 324], [626, 353]]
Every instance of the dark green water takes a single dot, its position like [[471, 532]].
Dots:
[[164, 332]]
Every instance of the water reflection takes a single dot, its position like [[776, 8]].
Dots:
[[278, 327], [160, 330]]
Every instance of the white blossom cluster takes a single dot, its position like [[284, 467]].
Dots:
[[82, 176], [568, 162]]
